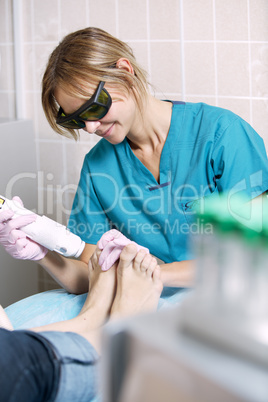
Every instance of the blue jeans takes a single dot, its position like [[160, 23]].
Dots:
[[46, 366]]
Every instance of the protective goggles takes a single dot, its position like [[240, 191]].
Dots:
[[94, 109]]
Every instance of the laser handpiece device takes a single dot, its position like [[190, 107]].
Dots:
[[46, 232]]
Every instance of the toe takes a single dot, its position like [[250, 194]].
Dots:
[[90, 266], [157, 278], [137, 265], [157, 273], [149, 264], [127, 256]]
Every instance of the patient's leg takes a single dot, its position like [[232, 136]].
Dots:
[[138, 283], [4, 320], [138, 290], [97, 306], [102, 286]]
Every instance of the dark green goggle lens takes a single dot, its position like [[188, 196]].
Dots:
[[94, 109], [73, 124], [94, 112]]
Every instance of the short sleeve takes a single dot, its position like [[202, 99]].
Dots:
[[239, 160], [87, 218]]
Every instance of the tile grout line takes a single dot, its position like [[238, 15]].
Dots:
[[35, 122], [182, 52], [117, 18], [10, 109], [250, 66], [215, 54], [148, 39], [63, 144]]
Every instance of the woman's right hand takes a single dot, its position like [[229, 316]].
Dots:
[[14, 240], [112, 243]]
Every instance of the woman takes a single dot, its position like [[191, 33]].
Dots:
[[155, 161]]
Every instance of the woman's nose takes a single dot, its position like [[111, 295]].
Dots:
[[91, 126]]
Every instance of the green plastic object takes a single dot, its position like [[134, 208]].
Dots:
[[236, 214]]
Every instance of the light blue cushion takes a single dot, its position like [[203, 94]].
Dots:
[[58, 305]]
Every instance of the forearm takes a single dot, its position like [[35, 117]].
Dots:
[[178, 274], [71, 274]]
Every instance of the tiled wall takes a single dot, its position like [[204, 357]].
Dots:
[[197, 50]]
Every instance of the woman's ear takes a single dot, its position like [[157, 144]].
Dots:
[[125, 65]]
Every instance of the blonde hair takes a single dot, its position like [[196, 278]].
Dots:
[[86, 56]]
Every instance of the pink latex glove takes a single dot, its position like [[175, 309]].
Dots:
[[111, 244], [14, 240]]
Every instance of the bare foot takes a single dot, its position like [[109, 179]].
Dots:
[[102, 286], [138, 283]]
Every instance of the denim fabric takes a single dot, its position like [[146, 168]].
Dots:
[[27, 370], [47, 366], [78, 362]]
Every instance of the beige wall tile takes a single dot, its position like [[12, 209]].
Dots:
[[53, 201], [260, 120], [199, 68], [258, 19], [233, 69], [165, 66], [4, 22], [140, 50], [241, 107], [6, 68], [5, 100], [51, 163], [132, 19], [46, 20], [164, 19], [168, 96], [78, 20], [259, 68], [75, 154], [198, 20], [102, 14], [41, 53], [34, 112], [43, 129], [27, 17], [231, 20], [29, 73]]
